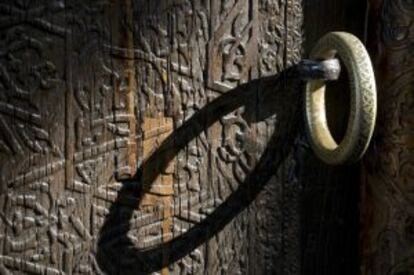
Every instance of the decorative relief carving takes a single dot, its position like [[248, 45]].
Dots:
[[387, 193], [127, 77], [24, 70], [233, 43]]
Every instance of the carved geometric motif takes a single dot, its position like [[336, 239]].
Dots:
[[90, 92], [234, 43]]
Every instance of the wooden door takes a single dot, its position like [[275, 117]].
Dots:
[[387, 197], [163, 137]]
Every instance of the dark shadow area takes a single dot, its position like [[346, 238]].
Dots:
[[337, 104], [330, 194], [261, 98]]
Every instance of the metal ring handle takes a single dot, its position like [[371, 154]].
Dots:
[[363, 103]]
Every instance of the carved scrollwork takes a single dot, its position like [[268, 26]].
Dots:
[[388, 186], [19, 80], [91, 90]]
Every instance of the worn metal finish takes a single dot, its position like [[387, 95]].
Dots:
[[130, 142], [363, 109], [328, 70], [330, 210]]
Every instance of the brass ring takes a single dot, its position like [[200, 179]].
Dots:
[[363, 103]]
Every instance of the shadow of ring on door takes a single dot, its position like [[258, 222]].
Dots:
[[278, 95]]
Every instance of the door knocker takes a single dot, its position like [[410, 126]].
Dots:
[[363, 98]]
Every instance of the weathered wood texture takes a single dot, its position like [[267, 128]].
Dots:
[[130, 144], [329, 205], [387, 192]]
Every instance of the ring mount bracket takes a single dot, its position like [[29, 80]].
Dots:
[[328, 70]]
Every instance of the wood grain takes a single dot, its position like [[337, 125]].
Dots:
[[137, 138], [387, 215]]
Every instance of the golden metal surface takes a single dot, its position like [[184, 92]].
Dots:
[[363, 105]]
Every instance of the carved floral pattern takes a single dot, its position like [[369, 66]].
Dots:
[[89, 90], [388, 195]]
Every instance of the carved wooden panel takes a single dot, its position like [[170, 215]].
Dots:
[[387, 218], [136, 138]]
